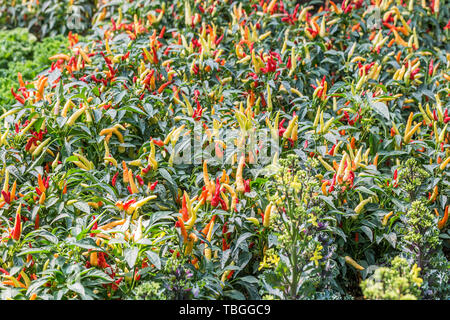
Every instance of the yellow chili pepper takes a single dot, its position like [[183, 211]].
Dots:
[[325, 164], [444, 164], [140, 203], [75, 116], [353, 263], [267, 213], [408, 135], [287, 134], [240, 187], [434, 194], [10, 112], [386, 218], [362, 204]]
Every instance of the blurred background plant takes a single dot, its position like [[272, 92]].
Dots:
[[48, 17], [21, 52], [398, 282]]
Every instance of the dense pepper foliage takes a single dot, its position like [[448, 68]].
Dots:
[[135, 166]]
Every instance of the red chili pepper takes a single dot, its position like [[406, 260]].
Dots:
[[161, 34], [94, 227], [224, 245], [184, 209], [219, 40], [281, 129], [158, 142], [149, 76], [331, 152], [17, 231], [223, 205], [331, 188], [4, 271], [351, 178], [101, 260], [153, 185], [215, 200], [6, 196], [197, 112], [448, 25], [247, 185], [114, 179], [17, 97], [128, 203], [141, 182], [155, 56], [430, 68]]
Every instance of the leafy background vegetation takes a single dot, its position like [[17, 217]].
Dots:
[[353, 205]]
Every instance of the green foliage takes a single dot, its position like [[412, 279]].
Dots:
[[48, 18], [398, 282], [411, 177], [421, 244], [20, 51], [90, 155], [301, 264], [149, 291]]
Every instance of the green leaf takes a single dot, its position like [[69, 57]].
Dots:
[[154, 259], [381, 109], [391, 238], [82, 206], [130, 256], [367, 231]]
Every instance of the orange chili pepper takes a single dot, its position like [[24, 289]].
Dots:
[[19, 75], [125, 172], [436, 212], [375, 160], [391, 43], [353, 143], [324, 187], [163, 86], [443, 221], [183, 229], [356, 27], [17, 231], [184, 209], [206, 228], [41, 183]]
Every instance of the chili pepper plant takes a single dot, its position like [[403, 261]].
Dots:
[[259, 149]]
